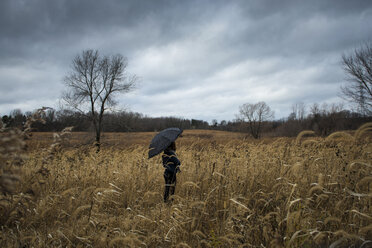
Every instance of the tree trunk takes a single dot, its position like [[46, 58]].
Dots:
[[99, 128], [98, 140]]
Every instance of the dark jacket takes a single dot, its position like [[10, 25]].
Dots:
[[170, 161]]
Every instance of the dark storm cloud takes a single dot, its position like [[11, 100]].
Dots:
[[204, 58], [301, 27], [24, 23]]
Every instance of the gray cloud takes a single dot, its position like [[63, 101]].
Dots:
[[196, 59]]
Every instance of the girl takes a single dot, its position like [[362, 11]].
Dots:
[[171, 165]]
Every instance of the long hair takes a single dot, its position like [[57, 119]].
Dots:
[[172, 146]]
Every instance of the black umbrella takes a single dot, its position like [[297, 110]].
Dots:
[[162, 140]]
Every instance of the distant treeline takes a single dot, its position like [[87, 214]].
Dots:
[[112, 122], [322, 122]]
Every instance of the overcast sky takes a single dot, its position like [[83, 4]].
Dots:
[[195, 59]]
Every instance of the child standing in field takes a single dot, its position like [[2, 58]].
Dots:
[[171, 165]]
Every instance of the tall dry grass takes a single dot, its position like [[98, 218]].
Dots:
[[273, 193]]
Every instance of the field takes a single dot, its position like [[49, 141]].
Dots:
[[232, 192]]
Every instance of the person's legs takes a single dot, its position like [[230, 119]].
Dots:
[[168, 181], [173, 182], [170, 184]]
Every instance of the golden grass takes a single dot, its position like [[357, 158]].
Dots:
[[232, 192]]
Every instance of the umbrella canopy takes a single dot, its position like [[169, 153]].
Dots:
[[162, 140]]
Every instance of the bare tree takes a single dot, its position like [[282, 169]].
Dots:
[[255, 114], [315, 110], [298, 111], [93, 83], [358, 66]]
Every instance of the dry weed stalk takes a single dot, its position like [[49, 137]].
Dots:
[[303, 134], [340, 134], [367, 127], [12, 151]]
